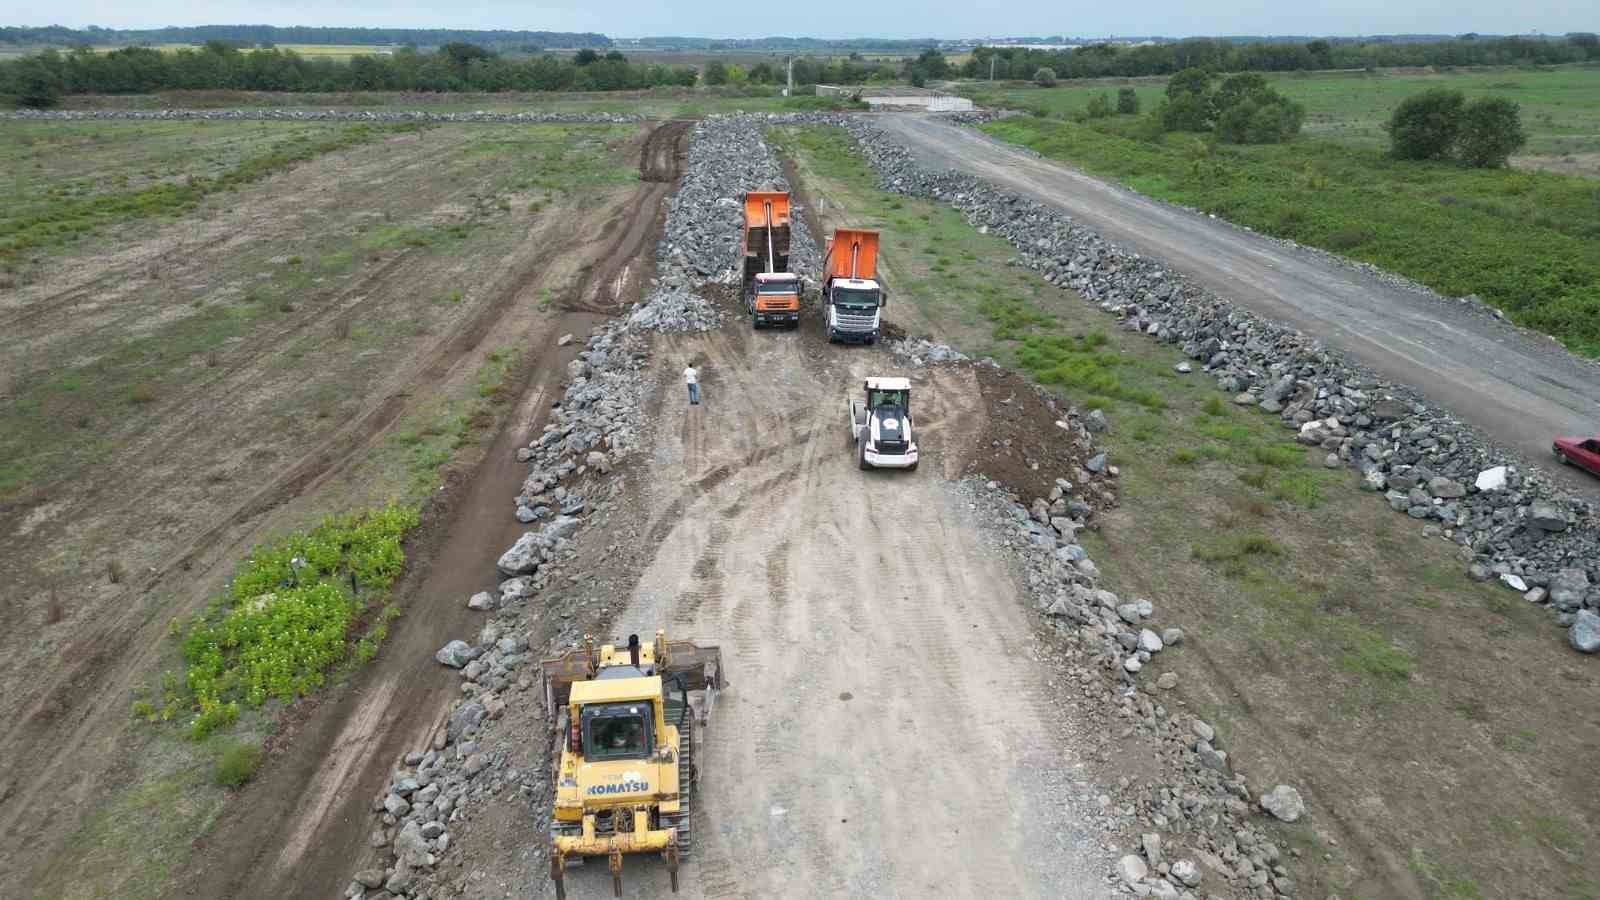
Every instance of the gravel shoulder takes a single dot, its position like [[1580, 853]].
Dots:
[[1520, 389]]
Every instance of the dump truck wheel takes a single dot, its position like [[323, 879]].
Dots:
[[861, 456]]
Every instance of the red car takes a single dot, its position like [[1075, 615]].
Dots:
[[1581, 452]]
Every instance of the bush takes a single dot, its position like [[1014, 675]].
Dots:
[[237, 764], [1425, 125], [1099, 106], [1491, 130], [1045, 77], [1128, 102]]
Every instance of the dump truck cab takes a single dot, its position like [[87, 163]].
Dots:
[[771, 291], [851, 295], [880, 425], [625, 719]]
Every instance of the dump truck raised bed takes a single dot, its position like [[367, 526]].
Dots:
[[771, 291], [626, 718], [880, 425], [851, 296]]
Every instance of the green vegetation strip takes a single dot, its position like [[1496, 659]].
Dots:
[[69, 217], [292, 612], [1526, 242]]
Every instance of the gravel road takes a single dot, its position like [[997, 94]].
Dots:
[[1518, 388], [885, 732]]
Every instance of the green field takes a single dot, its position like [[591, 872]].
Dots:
[[1560, 106], [1528, 242]]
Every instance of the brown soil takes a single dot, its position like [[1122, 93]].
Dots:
[[176, 534], [298, 827], [1023, 448]]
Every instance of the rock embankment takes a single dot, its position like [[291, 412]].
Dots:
[[319, 115]]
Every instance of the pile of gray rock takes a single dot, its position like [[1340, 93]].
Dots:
[[323, 115], [1427, 463], [1201, 823], [921, 351]]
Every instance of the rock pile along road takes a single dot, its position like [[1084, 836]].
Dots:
[[1519, 389]]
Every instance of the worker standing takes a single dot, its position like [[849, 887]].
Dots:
[[691, 377]]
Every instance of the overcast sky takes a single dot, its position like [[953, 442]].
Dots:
[[846, 18]]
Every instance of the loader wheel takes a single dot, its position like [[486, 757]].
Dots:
[[913, 466], [861, 456]]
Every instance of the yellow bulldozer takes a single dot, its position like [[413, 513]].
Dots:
[[623, 749]]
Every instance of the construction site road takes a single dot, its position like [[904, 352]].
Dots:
[[1520, 389], [885, 731]]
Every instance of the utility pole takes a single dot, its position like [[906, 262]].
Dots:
[[991, 67], [789, 91]]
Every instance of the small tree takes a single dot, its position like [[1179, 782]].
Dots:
[[1425, 125], [1045, 77], [585, 57], [1491, 130], [1189, 106], [1100, 106], [37, 84], [1128, 101], [716, 72]]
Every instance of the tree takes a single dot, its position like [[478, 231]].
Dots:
[[1100, 106], [1321, 54], [716, 72], [1128, 101], [1586, 41], [38, 85], [1045, 77], [1190, 105], [585, 57], [1236, 88], [1491, 130], [1425, 125]]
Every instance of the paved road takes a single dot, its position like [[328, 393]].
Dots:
[[1520, 390]]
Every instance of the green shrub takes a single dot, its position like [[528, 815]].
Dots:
[[1128, 101], [287, 616], [1348, 237], [1425, 125], [1491, 130], [1045, 77], [1100, 106], [237, 764]]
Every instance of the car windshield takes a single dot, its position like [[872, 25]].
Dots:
[[854, 297], [776, 287], [616, 731]]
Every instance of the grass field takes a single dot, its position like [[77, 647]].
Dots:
[[1560, 106], [1332, 644], [665, 102], [1526, 241]]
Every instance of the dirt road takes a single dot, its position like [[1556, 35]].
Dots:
[[885, 733], [1520, 390]]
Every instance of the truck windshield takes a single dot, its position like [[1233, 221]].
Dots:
[[776, 287], [881, 399], [855, 297], [616, 731]]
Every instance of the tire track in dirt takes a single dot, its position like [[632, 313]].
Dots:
[[105, 669]]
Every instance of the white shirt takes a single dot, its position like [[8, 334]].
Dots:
[[690, 376]]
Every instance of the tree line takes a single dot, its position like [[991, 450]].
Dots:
[[1222, 56], [37, 80], [268, 35]]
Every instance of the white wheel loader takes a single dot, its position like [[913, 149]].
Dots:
[[880, 425]]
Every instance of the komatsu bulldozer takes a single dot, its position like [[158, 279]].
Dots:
[[624, 742]]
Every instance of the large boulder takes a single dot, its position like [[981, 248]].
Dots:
[[466, 717], [1491, 479], [1568, 587], [457, 654], [1546, 516], [522, 559], [1585, 632], [1284, 803], [1446, 488]]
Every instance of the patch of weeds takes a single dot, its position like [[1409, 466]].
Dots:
[[1441, 884], [1184, 456], [285, 618], [1234, 553], [1425, 602], [1083, 363], [1214, 407], [142, 394], [294, 261], [1558, 833], [1278, 456], [1472, 709], [115, 572], [236, 764], [1522, 740], [1369, 653]]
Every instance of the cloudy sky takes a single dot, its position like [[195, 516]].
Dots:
[[846, 18]]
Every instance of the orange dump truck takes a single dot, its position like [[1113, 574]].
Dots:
[[771, 291], [852, 298]]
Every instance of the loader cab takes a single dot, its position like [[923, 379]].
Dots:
[[884, 400]]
